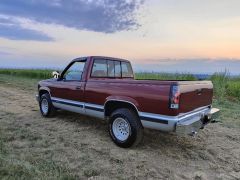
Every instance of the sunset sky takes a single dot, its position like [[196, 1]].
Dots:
[[156, 35]]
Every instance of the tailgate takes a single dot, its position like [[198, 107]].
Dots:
[[195, 94]]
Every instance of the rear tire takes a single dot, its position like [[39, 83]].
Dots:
[[46, 107], [125, 128]]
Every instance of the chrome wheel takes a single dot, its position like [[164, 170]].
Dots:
[[121, 129], [44, 106]]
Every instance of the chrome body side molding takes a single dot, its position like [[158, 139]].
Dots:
[[184, 123], [79, 107], [94, 110], [68, 105]]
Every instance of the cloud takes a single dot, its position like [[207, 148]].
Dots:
[[106, 16], [11, 28]]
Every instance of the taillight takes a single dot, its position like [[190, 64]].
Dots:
[[174, 97]]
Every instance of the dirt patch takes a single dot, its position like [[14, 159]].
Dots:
[[82, 144]]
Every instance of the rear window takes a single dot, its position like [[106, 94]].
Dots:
[[111, 68]]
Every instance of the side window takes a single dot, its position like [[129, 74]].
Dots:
[[99, 69], [117, 66], [74, 72], [111, 69], [127, 70]]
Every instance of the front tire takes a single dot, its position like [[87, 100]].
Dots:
[[125, 128], [46, 107]]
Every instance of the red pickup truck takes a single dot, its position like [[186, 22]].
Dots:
[[105, 88]]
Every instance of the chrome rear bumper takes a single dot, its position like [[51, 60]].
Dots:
[[190, 126], [184, 123], [214, 114]]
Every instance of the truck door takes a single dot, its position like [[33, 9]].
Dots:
[[68, 92]]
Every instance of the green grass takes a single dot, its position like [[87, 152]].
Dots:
[[226, 88], [220, 82], [13, 166], [229, 112], [30, 73], [233, 89], [224, 85], [24, 83], [165, 76]]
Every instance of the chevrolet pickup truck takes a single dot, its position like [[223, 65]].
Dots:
[[105, 88]]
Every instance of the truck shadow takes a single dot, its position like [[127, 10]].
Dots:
[[79, 119], [158, 139], [151, 139]]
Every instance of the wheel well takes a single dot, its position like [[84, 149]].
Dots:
[[111, 106], [41, 92]]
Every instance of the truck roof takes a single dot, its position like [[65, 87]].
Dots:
[[103, 57]]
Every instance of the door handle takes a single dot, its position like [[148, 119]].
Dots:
[[78, 87]]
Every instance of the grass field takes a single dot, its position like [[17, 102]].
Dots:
[[73, 147], [224, 85], [226, 88]]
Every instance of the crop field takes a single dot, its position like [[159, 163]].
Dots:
[[71, 146], [224, 85]]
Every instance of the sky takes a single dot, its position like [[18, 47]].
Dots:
[[155, 35]]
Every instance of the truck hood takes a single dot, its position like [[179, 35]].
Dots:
[[46, 81]]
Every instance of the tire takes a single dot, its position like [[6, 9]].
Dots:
[[125, 128], [46, 107]]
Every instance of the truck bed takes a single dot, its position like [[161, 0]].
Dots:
[[152, 95]]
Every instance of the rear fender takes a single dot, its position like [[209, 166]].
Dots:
[[123, 99], [120, 99]]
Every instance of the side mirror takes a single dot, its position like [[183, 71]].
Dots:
[[56, 74]]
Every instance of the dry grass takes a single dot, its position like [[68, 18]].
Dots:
[[71, 146]]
